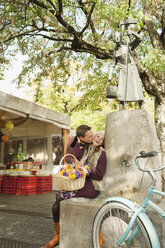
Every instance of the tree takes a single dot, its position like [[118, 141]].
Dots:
[[52, 32]]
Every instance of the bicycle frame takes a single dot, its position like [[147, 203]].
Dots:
[[151, 204], [142, 208]]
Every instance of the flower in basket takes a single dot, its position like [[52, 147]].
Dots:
[[74, 171]]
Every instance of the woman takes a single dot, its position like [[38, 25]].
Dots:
[[95, 157]]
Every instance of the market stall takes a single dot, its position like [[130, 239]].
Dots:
[[32, 141]]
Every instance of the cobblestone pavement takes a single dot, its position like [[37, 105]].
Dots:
[[26, 219]]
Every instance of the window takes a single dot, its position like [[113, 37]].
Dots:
[[37, 149], [11, 149]]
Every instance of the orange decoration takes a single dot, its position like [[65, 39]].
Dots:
[[4, 138]]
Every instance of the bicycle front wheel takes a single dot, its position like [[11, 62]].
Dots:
[[110, 223]]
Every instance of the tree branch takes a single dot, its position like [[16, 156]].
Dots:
[[150, 24], [162, 37], [52, 4], [60, 6], [35, 34], [89, 20], [5, 25], [52, 38], [152, 86], [38, 3], [78, 45], [98, 52], [57, 15]]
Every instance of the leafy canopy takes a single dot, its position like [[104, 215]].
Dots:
[[67, 40]]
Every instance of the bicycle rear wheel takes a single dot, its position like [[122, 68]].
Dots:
[[111, 222]]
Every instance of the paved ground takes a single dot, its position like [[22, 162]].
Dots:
[[25, 221]]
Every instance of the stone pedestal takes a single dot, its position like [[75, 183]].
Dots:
[[127, 133]]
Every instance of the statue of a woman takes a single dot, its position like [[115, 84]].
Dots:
[[129, 87]]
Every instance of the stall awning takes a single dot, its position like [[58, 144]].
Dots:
[[14, 107]]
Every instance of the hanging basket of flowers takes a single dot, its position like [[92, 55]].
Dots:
[[71, 177]]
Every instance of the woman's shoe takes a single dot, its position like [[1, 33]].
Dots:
[[55, 240]]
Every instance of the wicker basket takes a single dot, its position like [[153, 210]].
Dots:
[[67, 184]]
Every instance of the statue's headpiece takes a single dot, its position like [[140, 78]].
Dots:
[[116, 36]]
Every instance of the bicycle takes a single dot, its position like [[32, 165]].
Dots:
[[123, 223]]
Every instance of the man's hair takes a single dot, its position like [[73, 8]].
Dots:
[[81, 130]]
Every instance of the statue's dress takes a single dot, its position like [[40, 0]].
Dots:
[[132, 89]]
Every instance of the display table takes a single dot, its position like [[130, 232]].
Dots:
[[26, 165]]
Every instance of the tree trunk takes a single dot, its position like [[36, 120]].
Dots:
[[160, 122], [160, 127]]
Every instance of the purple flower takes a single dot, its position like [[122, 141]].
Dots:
[[65, 174], [77, 175]]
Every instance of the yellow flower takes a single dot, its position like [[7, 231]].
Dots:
[[61, 172], [72, 176]]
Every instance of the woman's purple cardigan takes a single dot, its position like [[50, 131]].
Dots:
[[96, 174]]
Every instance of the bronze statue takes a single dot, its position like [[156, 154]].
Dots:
[[129, 88]]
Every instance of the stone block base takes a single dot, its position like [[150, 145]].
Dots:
[[76, 220]]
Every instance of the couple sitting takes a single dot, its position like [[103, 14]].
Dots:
[[87, 148]]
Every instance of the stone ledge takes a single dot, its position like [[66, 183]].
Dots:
[[76, 220]]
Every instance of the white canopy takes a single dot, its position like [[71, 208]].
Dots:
[[13, 107]]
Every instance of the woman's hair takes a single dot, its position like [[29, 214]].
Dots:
[[99, 133]]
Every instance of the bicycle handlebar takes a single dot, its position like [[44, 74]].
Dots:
[[148, 154], [144, 154]]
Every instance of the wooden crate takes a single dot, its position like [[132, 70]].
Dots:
[[44, 184], [9, 184], [26, 185], [1, 183]]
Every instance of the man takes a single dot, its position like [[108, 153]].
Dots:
[[84, 137]]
